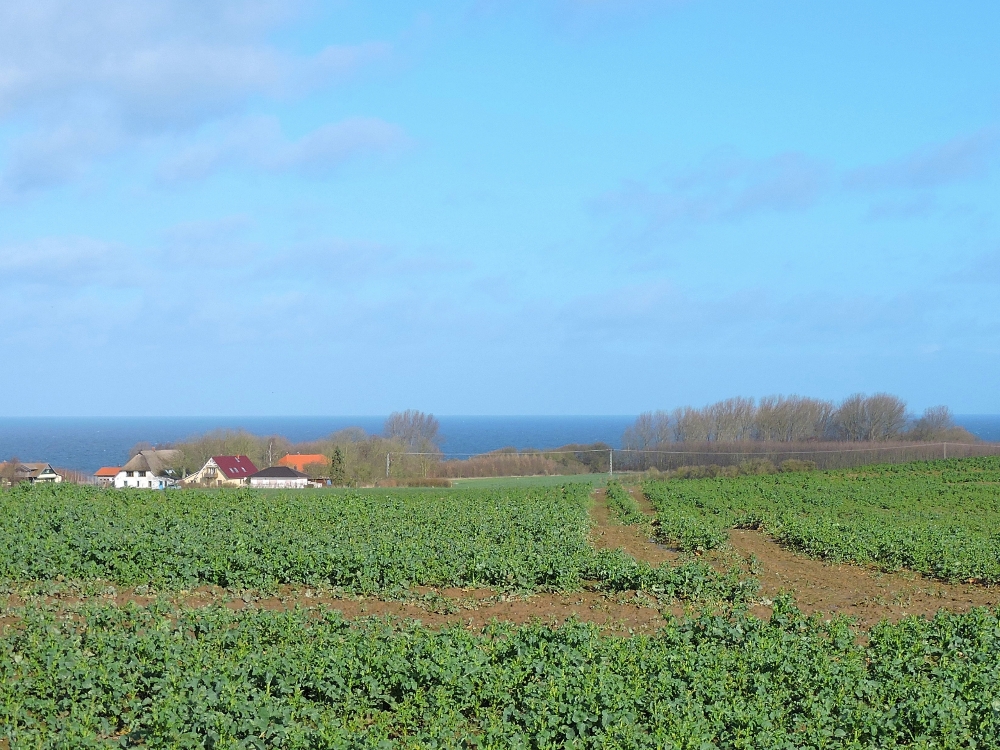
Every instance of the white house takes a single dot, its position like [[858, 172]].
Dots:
[[279, 478], [149, 470]]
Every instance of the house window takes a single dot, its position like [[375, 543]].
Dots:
[[130, 473], [142, 473]]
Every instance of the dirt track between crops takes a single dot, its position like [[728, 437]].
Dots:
[[866, 594]]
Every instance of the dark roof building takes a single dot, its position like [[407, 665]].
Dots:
[[235, 467], [284, 472], [279, 477]]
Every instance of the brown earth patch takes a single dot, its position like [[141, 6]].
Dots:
[[628, 612], [624, 612], [607, 533], [869, 595], [642, 501]]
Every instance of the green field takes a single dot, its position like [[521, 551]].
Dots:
[[378, 541], [160, 677], [940, 518], [90, 674]]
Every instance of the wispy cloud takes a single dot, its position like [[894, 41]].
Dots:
[[84, 80], [53, 156], [258, 143], [906, 208], [61, 262], [155, 64], [964, 158], [583, 15], [724, 188]]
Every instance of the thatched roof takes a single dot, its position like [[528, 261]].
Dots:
[[159, 463]]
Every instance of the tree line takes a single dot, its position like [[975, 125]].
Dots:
[[410, 439], [880, 417]]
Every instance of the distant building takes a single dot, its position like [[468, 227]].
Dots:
[[223, 471], [38, 472], [299, 461], [105, 476], [149, 470], [279, 478]]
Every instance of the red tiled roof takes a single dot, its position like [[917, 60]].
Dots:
[[107, 471], [301, 460], [235, 467]]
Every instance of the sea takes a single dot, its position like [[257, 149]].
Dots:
[[87, 443]]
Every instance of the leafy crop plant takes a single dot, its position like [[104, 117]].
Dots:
[[940, 518], [160, 677]]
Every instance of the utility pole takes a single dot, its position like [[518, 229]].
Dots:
[[387, 465], [945, 445], [611, 462]]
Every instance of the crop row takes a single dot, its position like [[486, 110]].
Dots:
[[366, 542], [180, 678], [623, 505], [940, 518]]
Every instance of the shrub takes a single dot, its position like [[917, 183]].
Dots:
[[795, 464], [757, 466]]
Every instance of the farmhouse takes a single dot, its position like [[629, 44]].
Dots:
[[105, 476], [13, 472], [279, 478], [223, 471], [38, 472], [151, 470], [299, 461]]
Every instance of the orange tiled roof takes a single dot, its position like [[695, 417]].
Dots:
[[107, 471], [300, 460]]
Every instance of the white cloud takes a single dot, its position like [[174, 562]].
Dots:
[[88, 79], [258, 143], [159, 62]]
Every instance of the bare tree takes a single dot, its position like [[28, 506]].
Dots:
[[417, 430], [937, 423], [652, 428], [730, 420], [690, 425], [886, 415], [874, 418], [851, 418], [8, 471], [792, 418]]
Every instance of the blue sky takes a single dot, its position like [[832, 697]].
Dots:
[[495, 207]]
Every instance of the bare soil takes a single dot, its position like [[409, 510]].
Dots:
[[609, 534], [868, 594], [865, 593]]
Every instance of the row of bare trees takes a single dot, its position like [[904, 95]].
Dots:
[[794, 419]]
